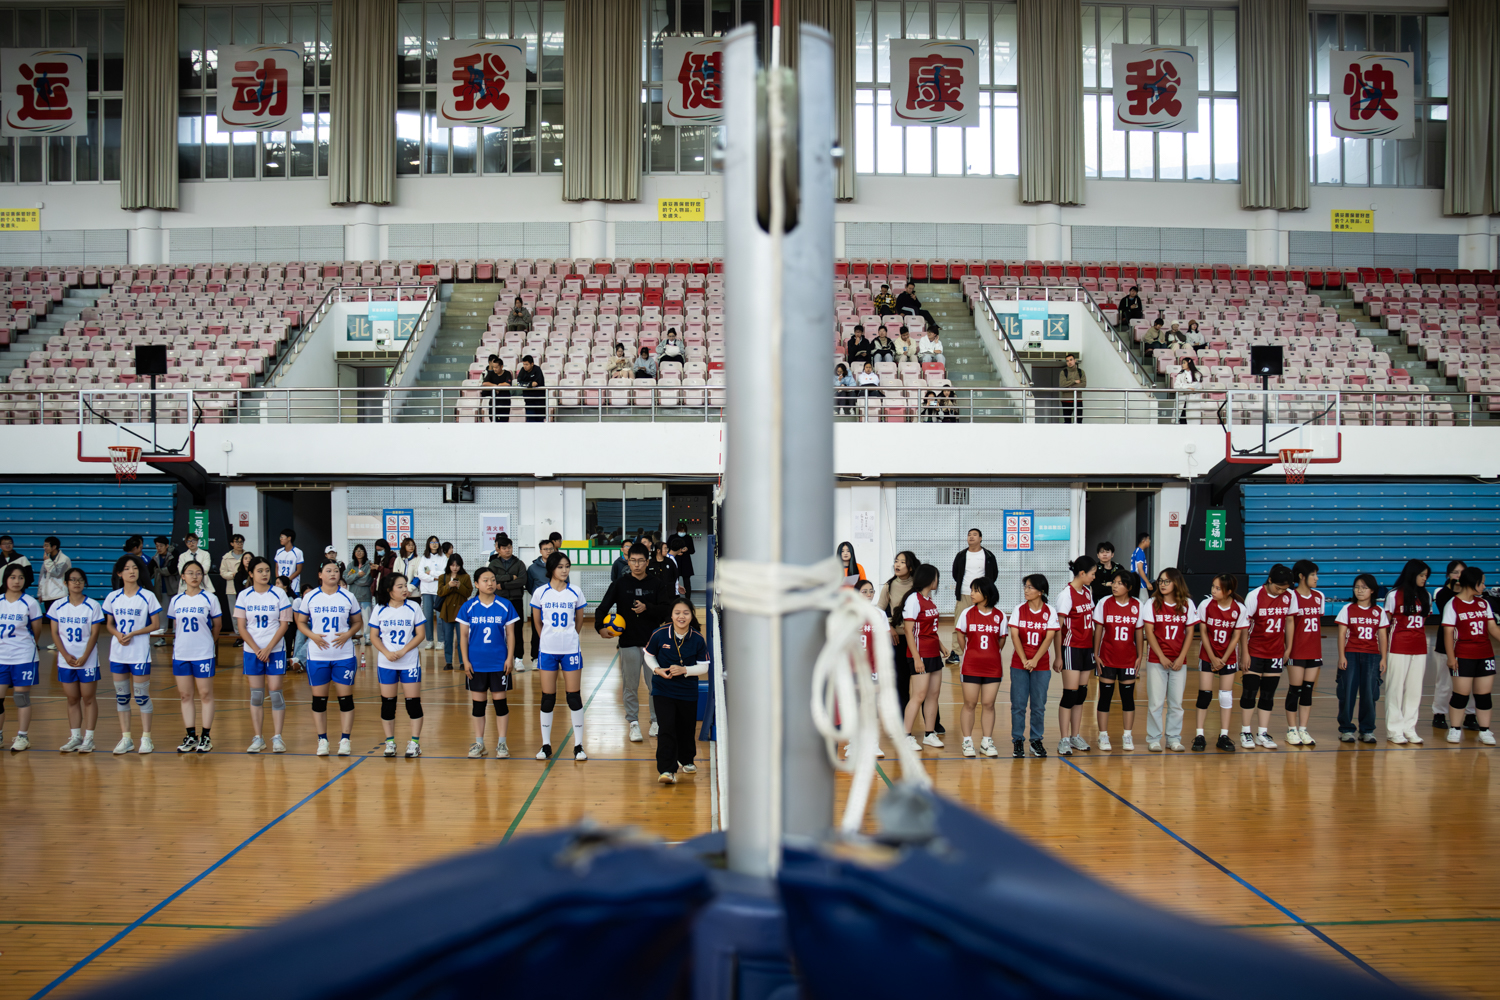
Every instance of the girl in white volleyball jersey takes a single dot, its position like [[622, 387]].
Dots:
[[130, 613], [263, 614], [397, 629], [20, 627], [196, 619], [554, 615], [77, 624], [330, 618]]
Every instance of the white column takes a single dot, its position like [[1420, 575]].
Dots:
[[1166, 537], [1264, 238], [362, 235], [1475, 246], [148, 239], [1047, 243], [588, 237], [1078, 529], [338, 515]]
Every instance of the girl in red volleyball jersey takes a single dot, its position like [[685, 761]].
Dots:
[[920, 620], [867, 642], [1469, 625], [1363, 647], [1221, 629], [980, 632], [1272, 610], [1168, 619], [1306, 657], [1075, 609], [1033, 630], [1408, 604], [1117, 650]]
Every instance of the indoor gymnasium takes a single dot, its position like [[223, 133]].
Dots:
[[752, 499]]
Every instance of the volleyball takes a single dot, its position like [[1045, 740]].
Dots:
[[612, 625]]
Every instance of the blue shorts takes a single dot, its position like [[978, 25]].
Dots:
[[71, 675], [320, 672], [139, 669], [410, 675], [193, 668], [21, 675], [275, 664], [563, 661]]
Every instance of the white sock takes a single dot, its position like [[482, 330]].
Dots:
[[76, 732], [1262, 730], [546, 727], [88, 734], [1244, 729], [577, 727], [1222, 732], [1200, 732]]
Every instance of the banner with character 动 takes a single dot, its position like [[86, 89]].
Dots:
[[1372, 95], [46, 92], [260, 88], [934, 82], [481, 82], [692, 85], [1155, 88]]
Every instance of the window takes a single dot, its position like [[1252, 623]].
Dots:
[[1415, 162], [205, 153], [67, 159], [1210, 154], [991, 149], [423, 149]]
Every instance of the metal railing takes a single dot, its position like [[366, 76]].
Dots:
[[700, 404], [349, 293], [1067, 293], [1007, 349]]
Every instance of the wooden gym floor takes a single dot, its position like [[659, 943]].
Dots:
[[1381, 857]]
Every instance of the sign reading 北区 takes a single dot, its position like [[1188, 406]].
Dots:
[[481, 82], [45, 92], [679, 210], [1357, 220], [1372, 95], [260, 88], [692, 85], [1156, 88], [934, 82]]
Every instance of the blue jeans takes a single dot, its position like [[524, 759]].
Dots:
[[448, 633], [364, 616], [1028, 686], [300, 650], [1360, 680], [429, 613]]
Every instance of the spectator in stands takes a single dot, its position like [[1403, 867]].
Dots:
[[192, 554], [1070, 380], [671, 350], [229, 565], [10, 557], [1153, 339], [857, 351], [1184, 381], [883, 348], [908, 303], [1131, 308], [53, 584], [928, 414], [454, 588], [948, 406], [1174, 338], [519, 317], [357, 578], [496, 375], [869, 382], [843, 386], [645, 364], [885, 304], [620, 364], [930, 348], [906, 348], [531, 380], [1195, 337]]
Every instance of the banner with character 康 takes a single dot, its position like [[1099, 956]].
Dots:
[[934, 82]]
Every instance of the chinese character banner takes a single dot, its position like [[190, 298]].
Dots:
[[260, 88], [1372, 95], [934, 83], [46, 92], [482, 82], [692, 86], [1156, 88]]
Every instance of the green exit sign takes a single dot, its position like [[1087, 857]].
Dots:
[[1214, 530]]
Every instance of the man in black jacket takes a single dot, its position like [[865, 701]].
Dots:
[[10, 557], [681, 548], [969, 565], [531, 381], [644, 603], [510, 583]]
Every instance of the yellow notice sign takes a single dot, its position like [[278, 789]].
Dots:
[[679, 210], [1353, 221], [16, 219]]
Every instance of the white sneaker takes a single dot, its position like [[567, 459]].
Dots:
[[256, 745], [653, 730], [413, 748], [430, 643], [1264, 739], [1246, 740], [146, 745], [1412, 737], [968, 746], [1103, 742], [911, 741], [932, 740], [74, 742], [1154, 746], [1307, 739], [1454, 735], [126, 744], [278, 745], [1395, 738], [501, 750], [477, 750], [666, 779], [1293, 736], [1065, 747], [988, 748], [20, 743], [690, 768], [322, 746], [635, 732], [879, 752], [343, 747], [1485, 736], [1176, 746], [1079, 743], [87, 746], [1127, 742]]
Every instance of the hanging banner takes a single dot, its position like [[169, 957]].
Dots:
[[260, 88], [934, 82], [1376, 101], [692, 81], [46, 92], [1156, 88], [481, 82]]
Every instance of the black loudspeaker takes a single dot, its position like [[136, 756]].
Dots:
[[1265, 360], [151, 359]]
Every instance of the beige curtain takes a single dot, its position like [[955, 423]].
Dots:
[[837, 18], [1471, 184], [602, 100], [362, 139], [1273, 104], [1050, 84], [148, 138]]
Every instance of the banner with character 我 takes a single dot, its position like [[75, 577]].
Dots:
[[1156, 88], [934, 82], [1372, 95], [260, 88], [481, 82], [692, 81], [46, 92]]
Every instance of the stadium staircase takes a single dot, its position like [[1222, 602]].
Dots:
[[465, 315], [74, 302], [1391, 342]]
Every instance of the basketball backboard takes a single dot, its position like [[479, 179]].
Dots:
[[112, 417], [1258, 425]]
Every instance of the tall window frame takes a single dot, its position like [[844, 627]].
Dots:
[[1210, 154], [64, 159], [423, 149], [990, 150], [1416, 162]]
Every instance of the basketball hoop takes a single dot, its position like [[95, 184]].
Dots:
[[126, 458], [1294, 462]]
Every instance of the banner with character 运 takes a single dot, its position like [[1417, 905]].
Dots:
[[1155, 88], [481, 82], [260, 88], [1372, 95], [934, 82], [692, 85], [46, 92]]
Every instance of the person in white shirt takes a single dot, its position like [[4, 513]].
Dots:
[[52, 586], [330, 617], [192, 554], [196, 618], [555, 608], [77, 624], [289, 558], [396, 632], [430, 570], [262, 614], [20, 627], [974, 562], [1184, 380], [131, 612], [229, 565], [930, 349]]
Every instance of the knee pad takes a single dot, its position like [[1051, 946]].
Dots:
[[143, 697], [1106, 695], [1204, 697], [549, 702], [257, 697], [122, 694], [575, 701], [476, 709], [502, 707], [1127, 697], [1249, 690], [278, 703], [1459, 701], [387, 708], [1069, 698], [23, 698], [414, 708], [1293, 697], [1482, 702], [1226, 700], [1304, 697], [346, 703], [320, 703], [1267, 693]]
